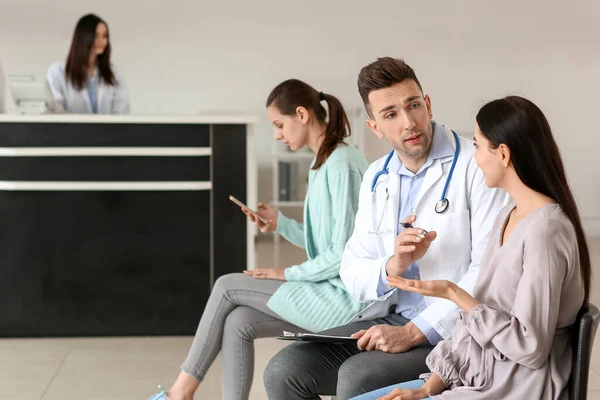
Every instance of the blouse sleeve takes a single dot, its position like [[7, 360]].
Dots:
[[525, 335]]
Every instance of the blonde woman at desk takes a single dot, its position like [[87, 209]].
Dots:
[[87, 83], [308, 296]]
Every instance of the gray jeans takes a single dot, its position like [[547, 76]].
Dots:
[[236, 313], [307, 370]]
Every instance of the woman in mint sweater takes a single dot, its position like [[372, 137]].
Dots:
[[305, 297]]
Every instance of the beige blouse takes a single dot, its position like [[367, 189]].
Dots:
[[515, 345]]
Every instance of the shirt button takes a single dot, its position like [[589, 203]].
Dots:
[[415, 177], [417, 277], [416, 309], [413, 211]]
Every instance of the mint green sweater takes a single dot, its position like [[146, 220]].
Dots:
[[314, 296]]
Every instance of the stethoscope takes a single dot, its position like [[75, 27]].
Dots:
[[440, 207]]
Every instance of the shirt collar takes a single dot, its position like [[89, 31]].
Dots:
[[440, 148], [96, 77]]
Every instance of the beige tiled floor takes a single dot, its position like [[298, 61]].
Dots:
[[130, 368]]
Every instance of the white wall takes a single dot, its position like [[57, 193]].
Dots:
[[4, 95], [185, 56]]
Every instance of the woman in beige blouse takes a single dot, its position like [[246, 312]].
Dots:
[[512, 340]]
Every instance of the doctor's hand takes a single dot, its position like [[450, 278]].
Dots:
[[390, 339], [266, 212], [409, 248], [267, 273]]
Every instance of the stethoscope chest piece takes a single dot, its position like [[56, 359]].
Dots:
[[441, 206]]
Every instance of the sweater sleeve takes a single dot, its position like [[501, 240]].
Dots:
[[344, 186], [291, 230]]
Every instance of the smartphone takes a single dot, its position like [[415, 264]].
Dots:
[[242, 205]]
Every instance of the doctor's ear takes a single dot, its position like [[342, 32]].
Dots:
[[428, 104], [303, 114], [373, 126], [504, 153]]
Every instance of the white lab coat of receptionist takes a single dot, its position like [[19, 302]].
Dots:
[[462, 231], [96, 97]]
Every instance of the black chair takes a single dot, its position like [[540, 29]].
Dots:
[[582, 339]]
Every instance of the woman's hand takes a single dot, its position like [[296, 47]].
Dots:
[[268, 217], [434, 385], [437, 288], [267, 273], [405, 394]]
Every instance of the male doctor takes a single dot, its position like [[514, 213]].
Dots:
[[430, 181]]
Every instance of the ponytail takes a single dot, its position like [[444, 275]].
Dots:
[[338, 128]]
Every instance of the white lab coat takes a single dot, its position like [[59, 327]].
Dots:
[[112, 99], [455, 255]]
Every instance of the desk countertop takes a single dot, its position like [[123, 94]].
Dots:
[[129, 119]]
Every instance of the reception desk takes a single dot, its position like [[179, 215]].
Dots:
[[119, 225]]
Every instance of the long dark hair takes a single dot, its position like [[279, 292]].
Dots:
[[79, 54], [521, 125], [293, 93]]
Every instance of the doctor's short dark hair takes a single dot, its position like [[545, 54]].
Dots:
[[381, 74]]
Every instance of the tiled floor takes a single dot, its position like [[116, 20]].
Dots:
[[130, 368]]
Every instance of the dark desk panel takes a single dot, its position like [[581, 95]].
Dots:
[[103, 135], [115, 169], [103, 263]]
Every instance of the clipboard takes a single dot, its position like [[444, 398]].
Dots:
[[315, 337]]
